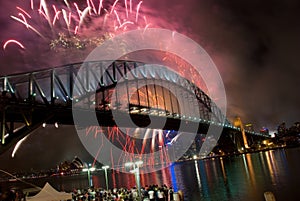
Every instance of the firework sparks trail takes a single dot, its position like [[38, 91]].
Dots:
[[100, 7], [24, 19], [79, 20], [153, 145], [67, 3], [118, 18], [111, 158], [130, 6], [82, 15], [22, 10], [137, 11], [56, 16], [77, 9], [13, 41], [126, 8], [93, 6], [89, 130], [45, 12], [113, 7], [99, 150], [153, 139], [18, 146], [67, 20], [31, 4], [27, 25], [124, 23], [145, 141]]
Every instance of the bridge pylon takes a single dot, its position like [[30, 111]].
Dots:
[[238, 123]]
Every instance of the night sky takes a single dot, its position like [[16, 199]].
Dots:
[[255, 45]]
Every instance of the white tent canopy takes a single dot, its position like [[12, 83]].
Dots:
[[48, 193]]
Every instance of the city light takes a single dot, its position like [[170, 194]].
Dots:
[[136, 171], [89, 170], [106, 178]]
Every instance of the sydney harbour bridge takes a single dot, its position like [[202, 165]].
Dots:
[[144, 92]]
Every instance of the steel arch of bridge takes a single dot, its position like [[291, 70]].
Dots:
[[134, 72], [30, 99]]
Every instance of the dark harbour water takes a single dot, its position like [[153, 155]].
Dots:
[[244, 177]]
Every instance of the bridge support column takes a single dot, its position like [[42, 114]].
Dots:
[[238, 123], [245, 139]]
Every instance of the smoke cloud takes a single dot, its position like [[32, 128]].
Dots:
[[254, 44]]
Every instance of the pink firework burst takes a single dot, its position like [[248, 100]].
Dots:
[[77, 24]]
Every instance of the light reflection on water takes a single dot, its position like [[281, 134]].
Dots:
[[245, 177]]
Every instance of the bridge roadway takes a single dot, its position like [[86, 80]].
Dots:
[[124, 87]]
